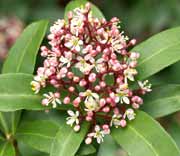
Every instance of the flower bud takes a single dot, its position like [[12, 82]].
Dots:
[[88, 140], [66, 100]]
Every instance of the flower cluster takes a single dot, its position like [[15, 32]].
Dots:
[[85, 53], [10, 29]]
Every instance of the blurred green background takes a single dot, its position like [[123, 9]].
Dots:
[[141, 17]]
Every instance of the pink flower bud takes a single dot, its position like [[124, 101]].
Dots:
[[102, 102], [45, 102], [92, 77], [88, 118], [97, 87], [57, 95], [53, 82], [133, 41], [70, 75], [134, 55], [71, 89], [76, 79], [113, 56], [66, 100], [77, 128], [135, 105], [123, 123], [102, 84], [133, 64], [106, 109], [82, 83], [98, 49], [116, 111], [88, 140], [76, 102], [90, 114], [108, 100]]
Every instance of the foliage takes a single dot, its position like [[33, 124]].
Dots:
[[38, 133]]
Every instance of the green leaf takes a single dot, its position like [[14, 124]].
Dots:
[[9, 121], [7, 149], [22, 56], [67, 142], [86, 150], [108, 147], [158, 52], [144, 136], [16, 94], [27, 151], [163, 100], [174, 131], [78, 3], [109, 79], [38, 134]]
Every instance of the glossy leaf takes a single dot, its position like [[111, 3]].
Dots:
[[38, 134], [108, 147], [144, 136], [86, 150], [7, 149], [158, 52], [78, 3], [67, 142], [22, 56], [163, 100], [174, 131], [16, 94], [25, 150]]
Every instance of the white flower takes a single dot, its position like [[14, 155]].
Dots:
[[115, 120], [35, 86], [118, 42], [83, 66], [57, 26], [66, 60], [129, 74], [73, 118], [145, 86], [52, 98], [130, 114], [74, 43], [39, 80], [91, 104], [122, 95], [91, 101], [98, 134], [76, 24], [98, 64]]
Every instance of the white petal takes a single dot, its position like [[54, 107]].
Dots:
[[70, 121], [77, 48], [126, 100], [68, 44], [71, 113]]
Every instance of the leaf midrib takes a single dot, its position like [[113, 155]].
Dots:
[[143, 138], [161, 50], [35, 134], [65, 144], [21, 95], [24, 51]]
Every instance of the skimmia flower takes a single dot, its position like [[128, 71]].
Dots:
[[84, 52]]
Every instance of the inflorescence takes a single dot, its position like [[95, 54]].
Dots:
[[85, 51]]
